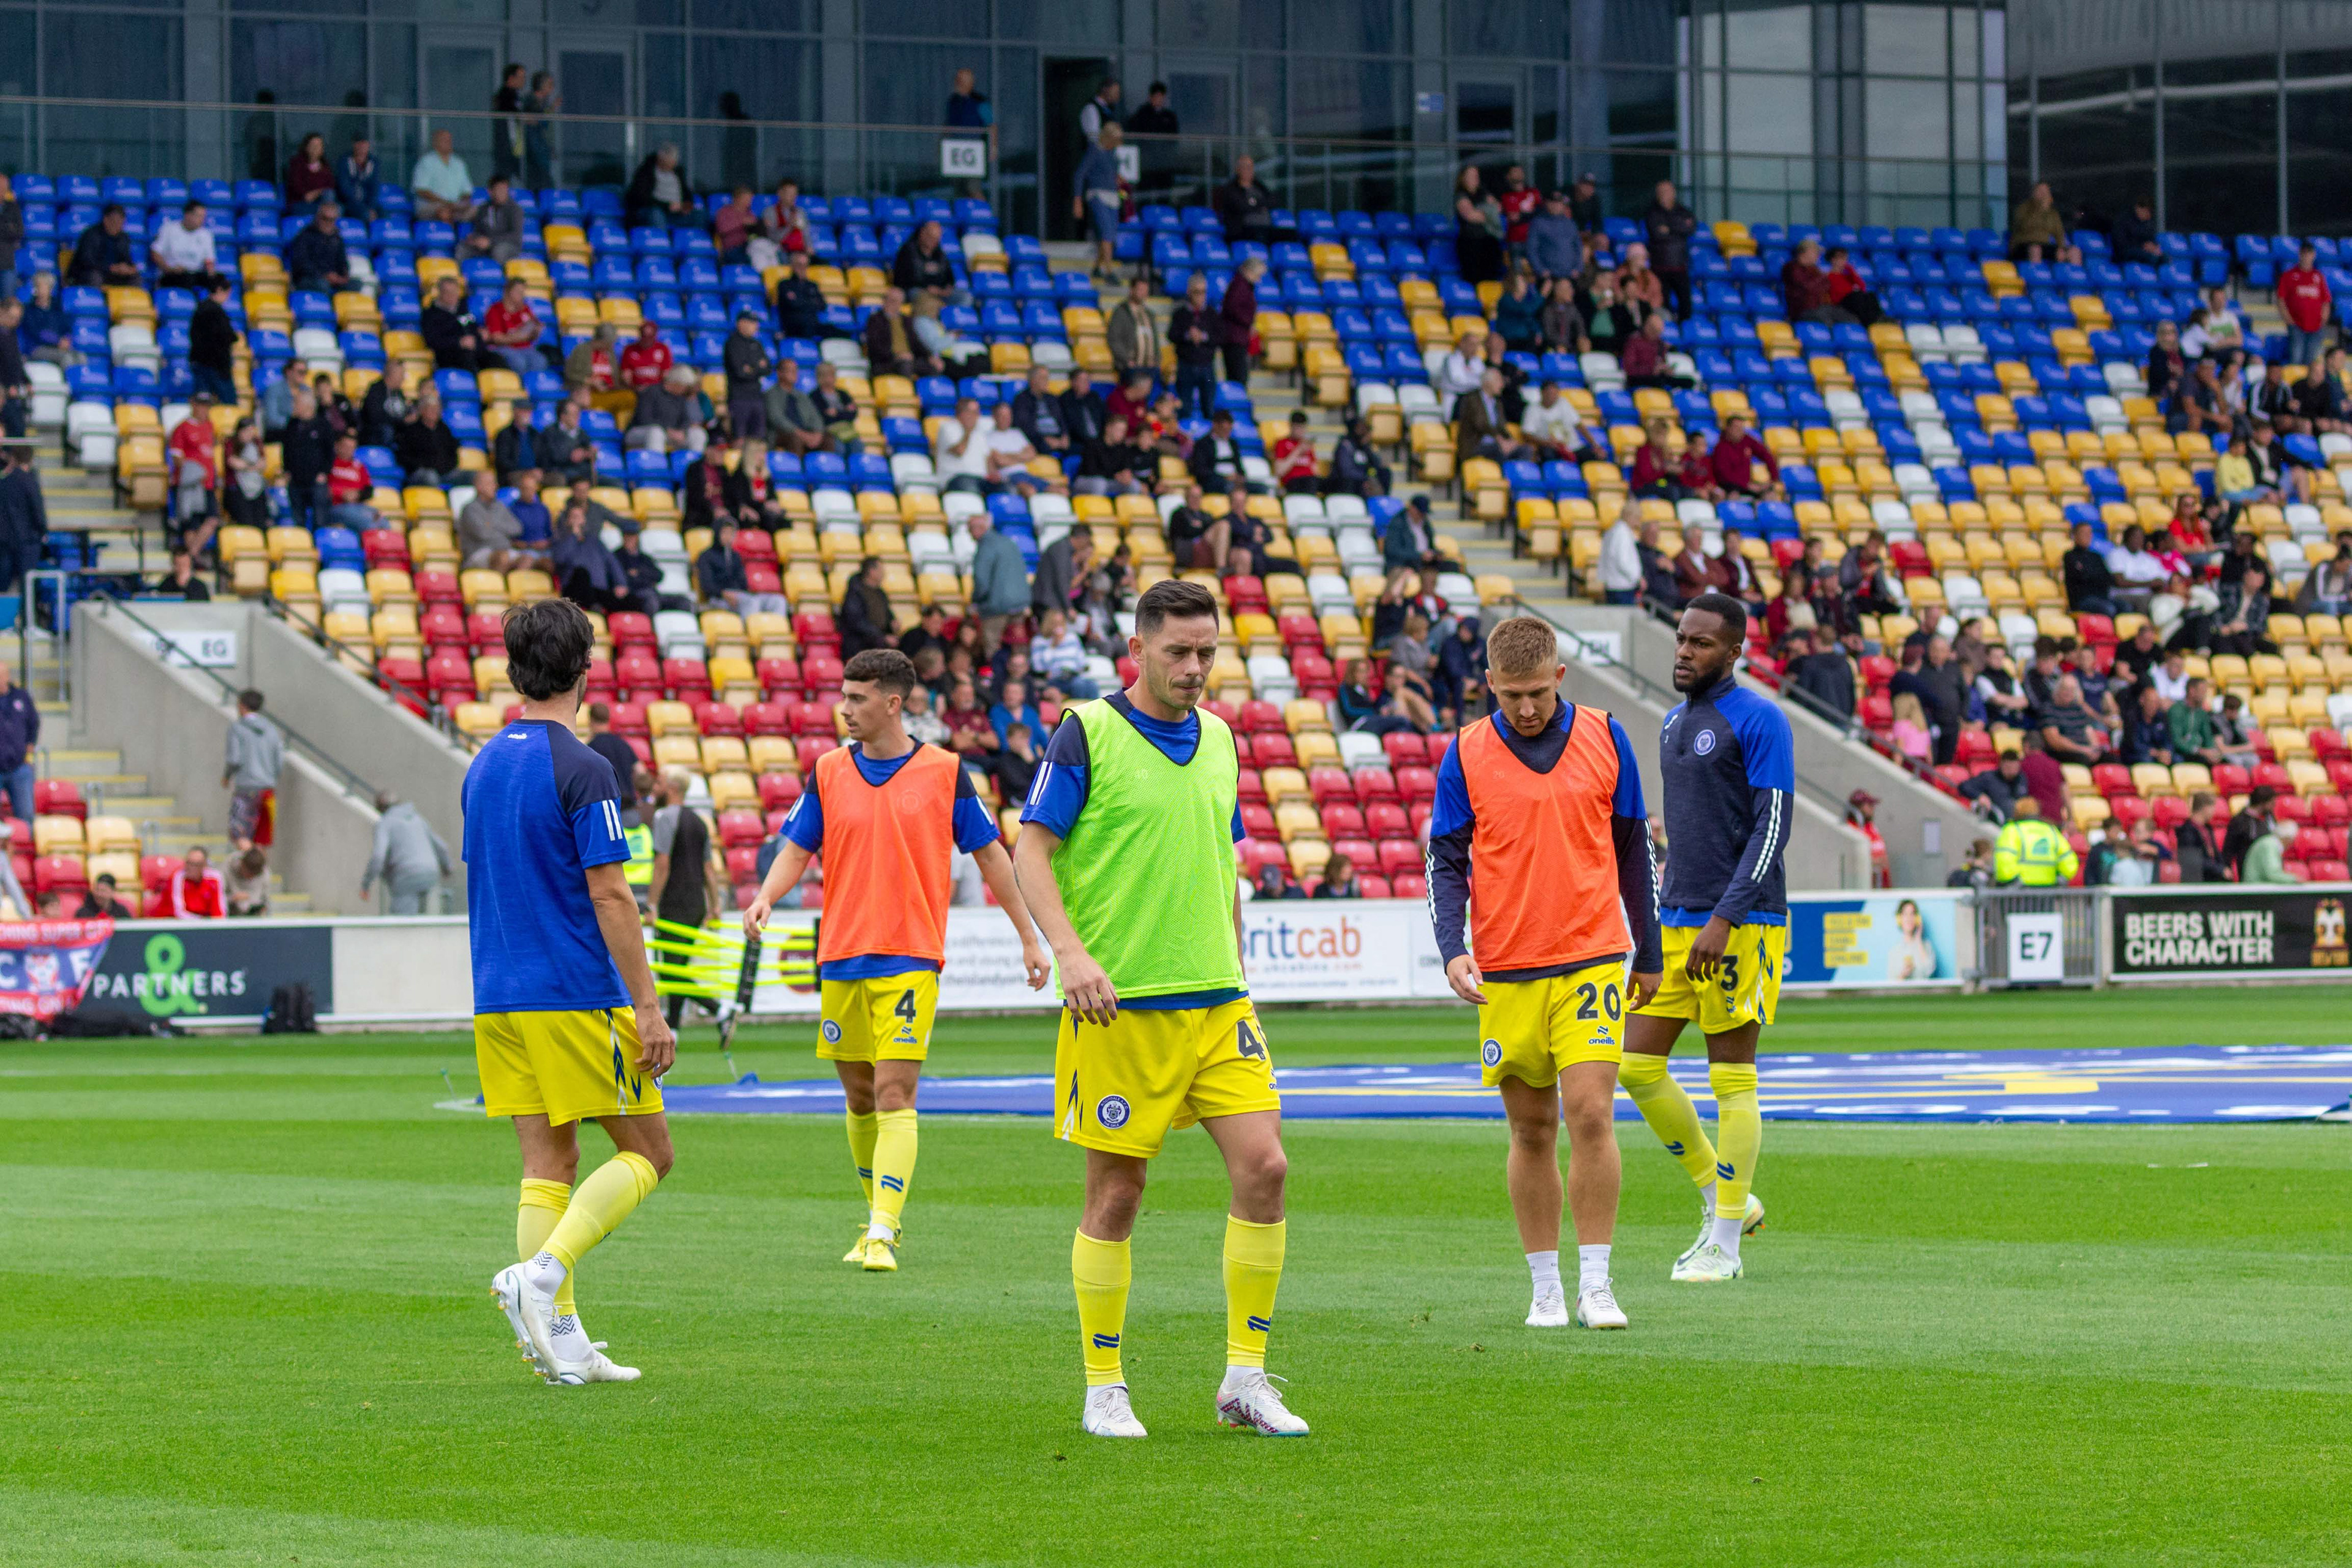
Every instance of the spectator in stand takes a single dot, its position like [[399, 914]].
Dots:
[[441, 185], [498, 226], [1821, 676], [45, 331], [489, 535], [1294, 458], [1518, 314], [181, 582], [1848, 292], [1237, 320], [1805, 286], [1063, 567], [1133, 334], [2133, 570], [1197, 539], [1554, 246], [1559, 324], [1095, 197], [511, 329], [2036, 229], [794, 425], [408, 857], [306, 450], [1639, 290], [426, 448], [1245, 207], [646, 360], [1659, 586], [12, 236], [1519, 202], [16, 380], [2215, 332], [2147, 735], [1554, 428], [783, 230], [20, 732], [316, 256], [863, 616], [922, 264], [451, 333], [309, 179], [1480, 426], [659, 195], [1338, 881], [349, 488], [593, 367], [1744, 465], [1697, 474], [747, 364], [2190, 730], [1193, 330], [104, 255], [1997, 690], [2245, 615], [889, 341], [183, 251], [103, 902], [1272, 883], [1112, 465], [538, 527], [1651, 472], [1083, 413], [1478, 228], [2132, 238], [506, 129], [539, 134], [1038, 413], [1100, 110], [2303, 299], [722, 577], [1621, 571], [1216, 461], [2090, 583], [2248, 826], [1943, 693], [587, 574], [1866, 585], [195, 891], [800, 303], [2197, 843], [1000, 581], [1645, 357], [2071, 729], [562, 448], [1998, 789], [959, 451], [1695, 572], [968, 107], [2265, 862], [255, 755], [1153, 116], [357, 182], [1668, 225]]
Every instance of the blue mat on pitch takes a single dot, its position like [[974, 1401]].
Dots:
[[2187, 1083]]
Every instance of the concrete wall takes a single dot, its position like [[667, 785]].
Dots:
[[307, 692], [171, 725]]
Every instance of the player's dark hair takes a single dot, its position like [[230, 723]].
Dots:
[[549, 643], [887, 668], [1734, 613], [249, 700], [1172, 598]]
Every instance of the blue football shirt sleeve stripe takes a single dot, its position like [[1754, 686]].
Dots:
[[1628, 799], [804, 824], [596, 833], [974, 828], [1451, 811]]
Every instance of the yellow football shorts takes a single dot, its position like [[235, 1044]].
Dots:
[[1125, 1085], [1530, 1029], [1745, 987], [566, 1067], [888, 1019]]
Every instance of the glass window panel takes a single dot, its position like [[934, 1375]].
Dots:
[[1905, 40], [394, 66], [1965, 37], [1351, 26], [1906, 119], [300, 62], [1638, 32], [2249, 70], [1531, 27], [1263, 100], [2319, 162], [921, 18], [1767, 113], [620, 13], [908, 84], [1244, 24], [662, 56], [1774, 38], [1357, 98], [1066, 21], [1995, 42], [90, 54], [2104, 157], [774, 78], [758, 15], [2220, 158], [1016, 138]]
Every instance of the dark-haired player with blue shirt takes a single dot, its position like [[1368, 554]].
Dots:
[[566, 1024], [1726, 763]]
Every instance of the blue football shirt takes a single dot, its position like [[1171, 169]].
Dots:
[[540, 809]]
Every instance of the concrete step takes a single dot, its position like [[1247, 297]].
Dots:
[[76, 763]]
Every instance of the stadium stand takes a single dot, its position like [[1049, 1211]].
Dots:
[[1927, 473]]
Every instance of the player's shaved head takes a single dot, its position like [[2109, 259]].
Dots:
[[549, 644], [1524, 645]]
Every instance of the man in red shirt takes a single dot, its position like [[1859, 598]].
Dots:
[[512, 329], [192, 453], [2303, 300], [349, 485], [1737, 458], [1519, 202], [644, 362], [194, 891]]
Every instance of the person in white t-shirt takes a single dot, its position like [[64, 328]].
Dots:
[[1009, 453], [1554, 426], [184, 252], [960, 455]]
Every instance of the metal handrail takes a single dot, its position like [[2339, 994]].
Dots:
[[350, 779]]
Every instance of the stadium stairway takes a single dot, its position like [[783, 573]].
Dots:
[[113, 800]]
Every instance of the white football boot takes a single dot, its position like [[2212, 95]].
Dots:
[[1751, 1221], [1707, 1265], [1248, 1399], [527, 1313], [1597, 1308], [597, 1368], [1108, 1412], [1550, 1308]]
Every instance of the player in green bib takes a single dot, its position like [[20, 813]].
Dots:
[[1126, 859]]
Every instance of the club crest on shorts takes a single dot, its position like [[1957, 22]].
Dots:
[[1111, 1111], [1704, 743], [831, 1032], [1491, 1052]]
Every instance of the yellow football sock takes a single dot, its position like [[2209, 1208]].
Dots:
[[599, 1204], [1738, 1135], [894, 1163], [862, 1132], [1253, 1273], [543, 1205], [1101, 1270], [1666, 1106]]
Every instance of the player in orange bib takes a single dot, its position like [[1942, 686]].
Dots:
[[1539, 838], [890, 815]]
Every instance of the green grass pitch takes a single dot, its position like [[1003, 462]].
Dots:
[[243, 1308]]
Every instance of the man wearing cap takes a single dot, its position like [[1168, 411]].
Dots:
[[748, 366], [1411, 545], [668, 417]]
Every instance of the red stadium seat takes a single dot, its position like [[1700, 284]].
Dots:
[[812, 747], [631, 629], [1877, 670], [2276, 775], [1438, 746], [2169, 811], [820, 668], [1910, 556], [1298, 630], [629, 718], [1309, 667], [1273, 751], [1263, 719], [719, 719], [686, 678], [442, 626], [1375, 782], [602, 681], [779, 790], [815, 717], [814, 627], [1386, 819], [638, 669], [1329, 784], [1416, 784], [2127, 808], [2330, 871], [1342, 820], [156, 871], [20, 835], [2332, 809], [2300, 871], [755, 544], [1360, 851], [450, 672], [738, 826], [1245, 593], [59, 797], [1413, 887], [403, 678], [2339, 774], [1257, 821], [779, 675], [2112, 778], [1877, 712], [1129, 675], [743, 865], [745, 893], [1400, 857], [2230, 779], [385, 547], [1252, 786], [485, 632], [2094, 628], [1255, 852], [438, 588], [1371, 887], [1405, 750], [769, 719], [1975, 751], [2167, 871], [2291, 807], [2326, 742], [60, 872]]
